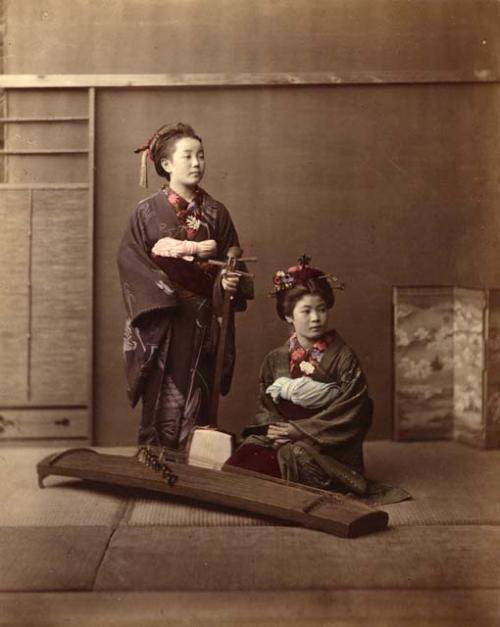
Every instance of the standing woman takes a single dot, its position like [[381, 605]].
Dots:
[[172, 294]]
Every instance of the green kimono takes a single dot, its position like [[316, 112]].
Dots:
[[329, 453], [333, 432]]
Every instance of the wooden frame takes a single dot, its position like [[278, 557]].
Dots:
[[44, 119], [68, 81], [48, 186], [52, 151], [90, 218], [12, 411]]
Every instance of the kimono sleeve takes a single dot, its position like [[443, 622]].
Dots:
[[148, 298], [266, 410], [348, 416], [145, 286]]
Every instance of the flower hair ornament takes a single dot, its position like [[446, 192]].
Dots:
[[300, 274]]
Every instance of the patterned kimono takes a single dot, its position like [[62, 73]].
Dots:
[[171, 330]]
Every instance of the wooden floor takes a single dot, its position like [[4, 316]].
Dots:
[[78, 554]]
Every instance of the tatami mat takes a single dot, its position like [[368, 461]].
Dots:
[[450, 484], [435, 469], [161, 511], [443, 478], [460, 510], [63, 501], [50, 558], [466, 509], [157, 558], [265, 608], [57, 538]]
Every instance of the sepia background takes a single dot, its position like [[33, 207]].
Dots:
[[363, 132], [385, 176]]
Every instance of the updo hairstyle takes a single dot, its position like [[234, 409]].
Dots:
[[287, 299], [163, 146]]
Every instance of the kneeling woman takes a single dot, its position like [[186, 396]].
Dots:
[[314, 408]]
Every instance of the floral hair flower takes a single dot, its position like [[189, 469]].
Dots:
[[301, 273], [283, 281]]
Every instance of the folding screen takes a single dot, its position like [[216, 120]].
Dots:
[[447, 364]]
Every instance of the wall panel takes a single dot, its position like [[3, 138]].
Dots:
[[60, 304], [14, 295], [46, 248]]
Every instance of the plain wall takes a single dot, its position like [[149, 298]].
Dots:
[[147, 36], [381, 184]]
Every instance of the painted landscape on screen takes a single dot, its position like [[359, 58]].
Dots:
[[439, 363], [423, 355]]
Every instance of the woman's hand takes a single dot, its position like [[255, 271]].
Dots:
[[282, 432], [230, 281], [164, 248], [171, 247]]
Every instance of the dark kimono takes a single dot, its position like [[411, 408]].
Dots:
[[171, 330], [329, 451]]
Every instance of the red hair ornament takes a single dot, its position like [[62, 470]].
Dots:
[[300, 274]]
